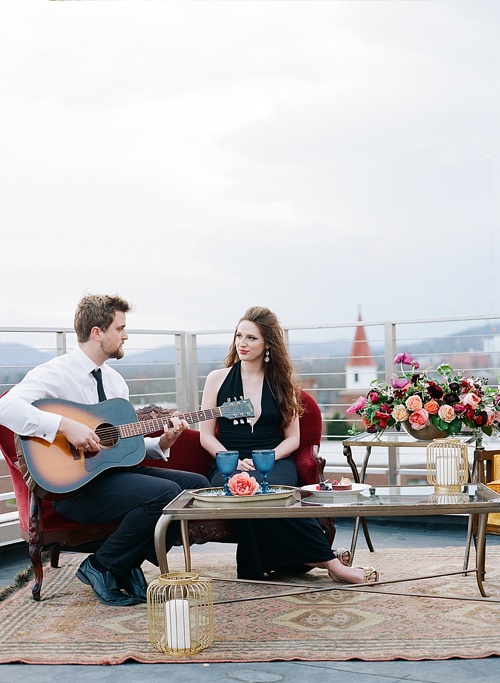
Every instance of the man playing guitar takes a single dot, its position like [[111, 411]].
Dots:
[[133, 496]]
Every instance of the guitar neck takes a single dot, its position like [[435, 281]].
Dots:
[[158, 423]]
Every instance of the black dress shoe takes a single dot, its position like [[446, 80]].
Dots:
[[135, 584], [104, 584]]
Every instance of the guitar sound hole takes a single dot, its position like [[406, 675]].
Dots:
[[108, 435]]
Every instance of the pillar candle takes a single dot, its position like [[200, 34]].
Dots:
[[446, 469], [177, 624]]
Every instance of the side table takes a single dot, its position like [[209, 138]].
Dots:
[[389, 440], [481, 470]]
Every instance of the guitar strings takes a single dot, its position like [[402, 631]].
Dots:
[[138, 428]]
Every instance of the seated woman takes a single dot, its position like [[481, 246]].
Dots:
[[258, 367]]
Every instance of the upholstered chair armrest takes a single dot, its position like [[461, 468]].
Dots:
[[310, 465], [186, 454]]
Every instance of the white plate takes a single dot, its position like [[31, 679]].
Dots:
[[356, 489], [217, 496]]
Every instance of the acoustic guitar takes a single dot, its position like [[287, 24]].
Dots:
[[60, 468]]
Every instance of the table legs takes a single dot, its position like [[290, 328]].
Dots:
[[476, 530], [161, 543], [468, 543], [358, 480], [481, 473], [480, 541], [185, 544]]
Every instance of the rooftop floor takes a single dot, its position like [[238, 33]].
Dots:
[[385, 534]]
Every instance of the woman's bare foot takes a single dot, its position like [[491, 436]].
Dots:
[[339, 572]]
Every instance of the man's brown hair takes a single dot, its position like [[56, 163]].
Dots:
[[97, 310]]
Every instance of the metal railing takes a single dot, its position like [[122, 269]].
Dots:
[[169, 367]]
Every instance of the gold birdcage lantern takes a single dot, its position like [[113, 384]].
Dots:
[[180, 613], [447, 465]]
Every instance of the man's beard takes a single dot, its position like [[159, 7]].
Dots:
[[117, 353]]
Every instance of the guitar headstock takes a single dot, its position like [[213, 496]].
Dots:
[[236, 410]]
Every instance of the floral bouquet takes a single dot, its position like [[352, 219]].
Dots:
[[450, 404]]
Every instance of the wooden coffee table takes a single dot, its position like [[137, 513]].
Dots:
[[384, 501]]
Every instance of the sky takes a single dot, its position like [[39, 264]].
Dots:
[[199, 157]]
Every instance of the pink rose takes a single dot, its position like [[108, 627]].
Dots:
[[359, 404], [242, 484], [419, 419], [414, 402], [446, 413], [491, 416], [470, 400]]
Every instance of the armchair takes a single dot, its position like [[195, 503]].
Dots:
[[188, 454]]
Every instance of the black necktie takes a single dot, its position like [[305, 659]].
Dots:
[[100, 389]]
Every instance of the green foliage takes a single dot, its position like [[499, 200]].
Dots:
[[337, 428]]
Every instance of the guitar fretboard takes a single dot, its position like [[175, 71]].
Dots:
[[157, 423]]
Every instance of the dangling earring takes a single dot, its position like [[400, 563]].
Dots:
[[267, 359]]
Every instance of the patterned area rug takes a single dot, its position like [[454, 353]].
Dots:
[[386, 622]]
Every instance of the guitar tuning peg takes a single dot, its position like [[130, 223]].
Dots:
[[235, 422], [242, 422], [241, 398]]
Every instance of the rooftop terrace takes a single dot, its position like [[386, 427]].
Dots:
[[420, 533], [169, 367]]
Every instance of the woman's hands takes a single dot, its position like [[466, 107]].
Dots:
[[246, 465]]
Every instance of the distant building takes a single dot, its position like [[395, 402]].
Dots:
[[310, 385], [492, 345], [360, 369]]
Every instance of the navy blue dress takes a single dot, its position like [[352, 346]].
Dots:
[[266, 545]]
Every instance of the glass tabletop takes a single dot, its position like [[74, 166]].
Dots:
[[471, 497], [404, 496], [425, 495]]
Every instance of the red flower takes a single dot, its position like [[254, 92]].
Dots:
[[481, 419], [435, 391]]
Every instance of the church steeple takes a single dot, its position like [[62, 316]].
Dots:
[[361, 367]]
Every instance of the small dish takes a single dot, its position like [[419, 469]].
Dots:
[[355, 489]]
